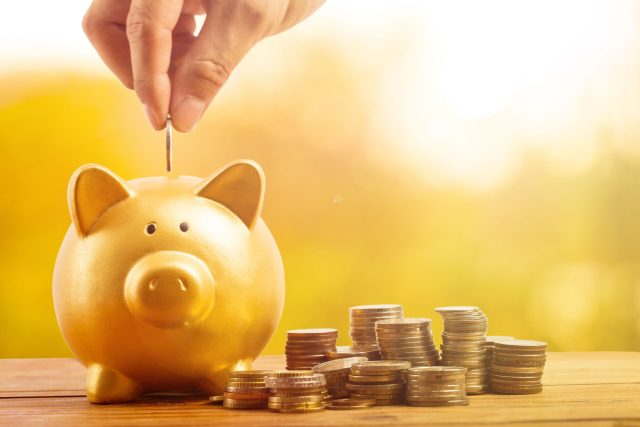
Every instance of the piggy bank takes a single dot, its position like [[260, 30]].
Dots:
[[166, 283]]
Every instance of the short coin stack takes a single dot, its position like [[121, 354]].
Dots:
[[305, 348], [463, 344], [379, 380], [371, 352], [491, 342], [407, 339], [518, 366], [296, 391], [336, 372], [363, 320], [246, 390], [436, 386]]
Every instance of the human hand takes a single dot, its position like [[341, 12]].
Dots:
[[151, 47]]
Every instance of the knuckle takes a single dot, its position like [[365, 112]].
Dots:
[[257, 14], [210, 73], [89, 23], [140, 24], [254, 11]]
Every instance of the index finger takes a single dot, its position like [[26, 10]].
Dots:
[[149, 30]]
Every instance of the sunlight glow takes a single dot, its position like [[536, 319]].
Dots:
[[491, 49]]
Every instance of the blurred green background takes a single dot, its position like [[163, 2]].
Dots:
[[417, 153]]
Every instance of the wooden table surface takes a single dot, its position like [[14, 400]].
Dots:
[[600, 388]]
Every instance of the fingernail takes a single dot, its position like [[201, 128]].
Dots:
[[188, 113], [150, 116]]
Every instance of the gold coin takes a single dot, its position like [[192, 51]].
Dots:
[[312, 332], [375, 308], [368, 379], [457, 309], [289, 374], [301, 411], [245, 395], [521, 344], [350, 402], [249, 374], [379, 366], [296, 399], [231, 389], [300, 385], [296, 392], [244, 404], [498, 338], [369, 396], [246, 384], [216, 399], [429, 371], [295, 405], [339, 364], [376, 388]]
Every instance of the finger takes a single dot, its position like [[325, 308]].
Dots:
[[104, 25], [297, 11], [226, 36], [149, 30], [183, 38], [193, 7]]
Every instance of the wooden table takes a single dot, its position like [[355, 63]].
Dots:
[[592, 388]]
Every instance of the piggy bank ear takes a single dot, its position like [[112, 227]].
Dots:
[[239, 186], [92, 190]]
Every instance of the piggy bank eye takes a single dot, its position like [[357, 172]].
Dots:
[[151, 228], [184, 227]]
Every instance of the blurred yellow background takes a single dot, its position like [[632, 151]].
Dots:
[[419, 153]]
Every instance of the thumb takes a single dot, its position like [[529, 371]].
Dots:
[[226, 36]]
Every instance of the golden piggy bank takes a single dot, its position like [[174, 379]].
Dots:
[[166, 283]]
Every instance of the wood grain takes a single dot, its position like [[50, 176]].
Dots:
[[601, 388]]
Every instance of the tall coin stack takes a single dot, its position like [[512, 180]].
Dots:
[[342, 352], [246, 390], [379, 380], [436, 386], [336, 372], [305, 348], [363, 321], [296, 391], [518, 366], [407, 339], [463, 344]]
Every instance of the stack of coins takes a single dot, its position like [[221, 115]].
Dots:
[[296, 391], [491, 341], [306, 348], [336, 372], [436, 386], [379, 380], [246, 390], [463, 344], [363, 321], [341, 352], [407, 339], [518, 366]]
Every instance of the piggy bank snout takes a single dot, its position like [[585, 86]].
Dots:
[[169, 289]]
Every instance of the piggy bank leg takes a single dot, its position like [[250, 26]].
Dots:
[[105, 385]]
